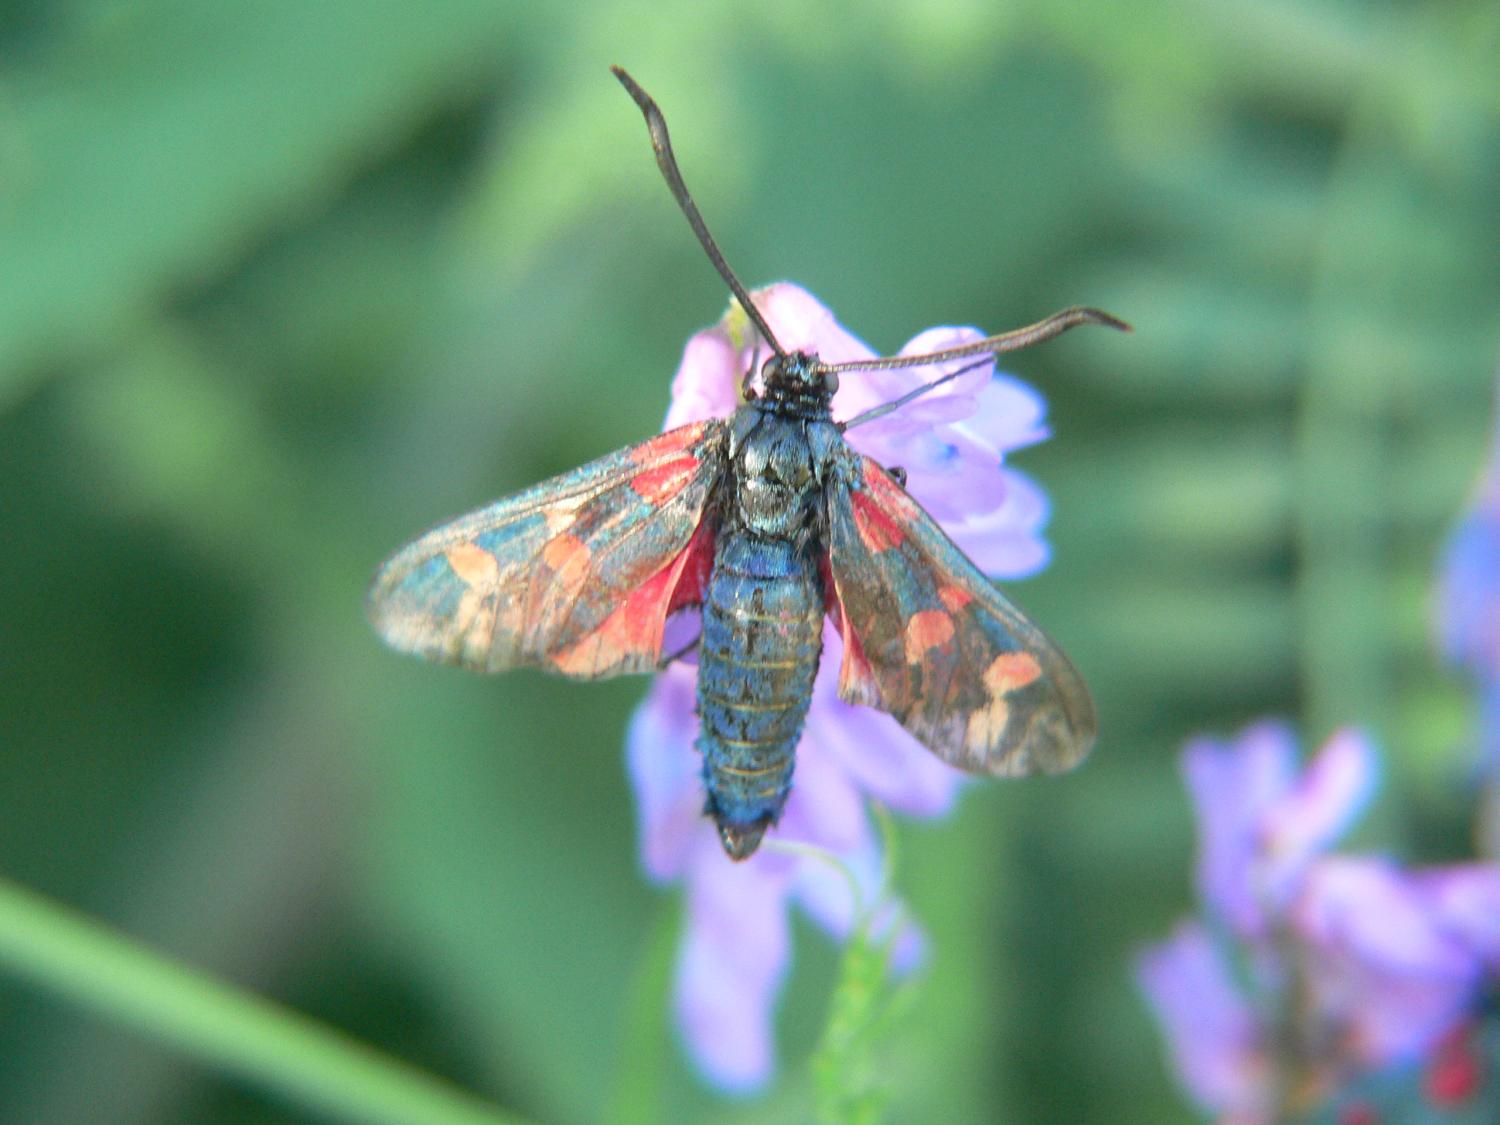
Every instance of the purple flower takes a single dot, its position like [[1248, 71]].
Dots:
[[1261, 824], [1469, 605], [1396, 958], [737, 946], [1214, 1033], [1327, 966]]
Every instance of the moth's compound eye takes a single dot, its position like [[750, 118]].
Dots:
[[831, 382]]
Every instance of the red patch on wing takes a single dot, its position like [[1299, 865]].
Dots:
[[856, 677], [877, 530], [660, 483], [662, 445], [696, 562], [954, 597], [631, 634]]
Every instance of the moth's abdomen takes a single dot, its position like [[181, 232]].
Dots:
[[762, 635]]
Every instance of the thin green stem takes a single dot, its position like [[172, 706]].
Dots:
[[239, 1033]]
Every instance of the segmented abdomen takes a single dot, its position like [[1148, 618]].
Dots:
[[762, 635]]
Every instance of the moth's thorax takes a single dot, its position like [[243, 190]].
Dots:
[[778, 467]]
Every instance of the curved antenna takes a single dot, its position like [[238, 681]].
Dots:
[[896, 404], [1017, 338], [661, 144]]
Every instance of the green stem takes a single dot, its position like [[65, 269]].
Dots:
[[234, 1031]]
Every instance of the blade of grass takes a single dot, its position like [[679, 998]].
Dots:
[[234, 1031]]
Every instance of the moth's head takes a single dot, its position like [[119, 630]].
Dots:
[[797, 374]]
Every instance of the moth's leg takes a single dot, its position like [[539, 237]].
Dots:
[[897, 474]]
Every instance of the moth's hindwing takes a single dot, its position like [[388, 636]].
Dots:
[[928, 639], [576, 575]]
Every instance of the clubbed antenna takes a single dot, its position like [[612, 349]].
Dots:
[[661, 144]]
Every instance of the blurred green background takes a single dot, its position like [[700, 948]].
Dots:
[[282, 284]]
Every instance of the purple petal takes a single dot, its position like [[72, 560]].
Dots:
[[826, 807], [1370, 910], [1232, 787], [1007, 541], [1332, 791], [1489, 727], [976, 371], [873, 749], [803, 323], [884, 760], [1384, 1020], [1466, 901], [733, 959], [1010, 415], [666, 772], [1469, 607], [707, 381], [1469, 610], [1379, 967], [1210, 1028]]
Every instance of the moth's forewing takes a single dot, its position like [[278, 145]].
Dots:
[[930, 640], [576, 575]]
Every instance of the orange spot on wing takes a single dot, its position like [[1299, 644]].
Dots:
[[1006, 673], [878, 531], [563, 551], [926, 630], [567, 556], [954, 597], [1009, 671], [475, 566], [662, 482]]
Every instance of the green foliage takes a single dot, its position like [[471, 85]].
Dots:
[[285, 283], [853, 1066]]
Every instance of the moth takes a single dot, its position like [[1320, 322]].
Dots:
[[766, 521]]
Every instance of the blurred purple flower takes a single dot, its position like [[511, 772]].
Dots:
[[1260, 824], [1396, 959], [1213, 1032], [1327, 966], [1469, 606], [737, 946]]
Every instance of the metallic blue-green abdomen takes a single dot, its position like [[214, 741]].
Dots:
[[762, 636]]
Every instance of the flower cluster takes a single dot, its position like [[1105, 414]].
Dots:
[[1309, 969], [737, 944]]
